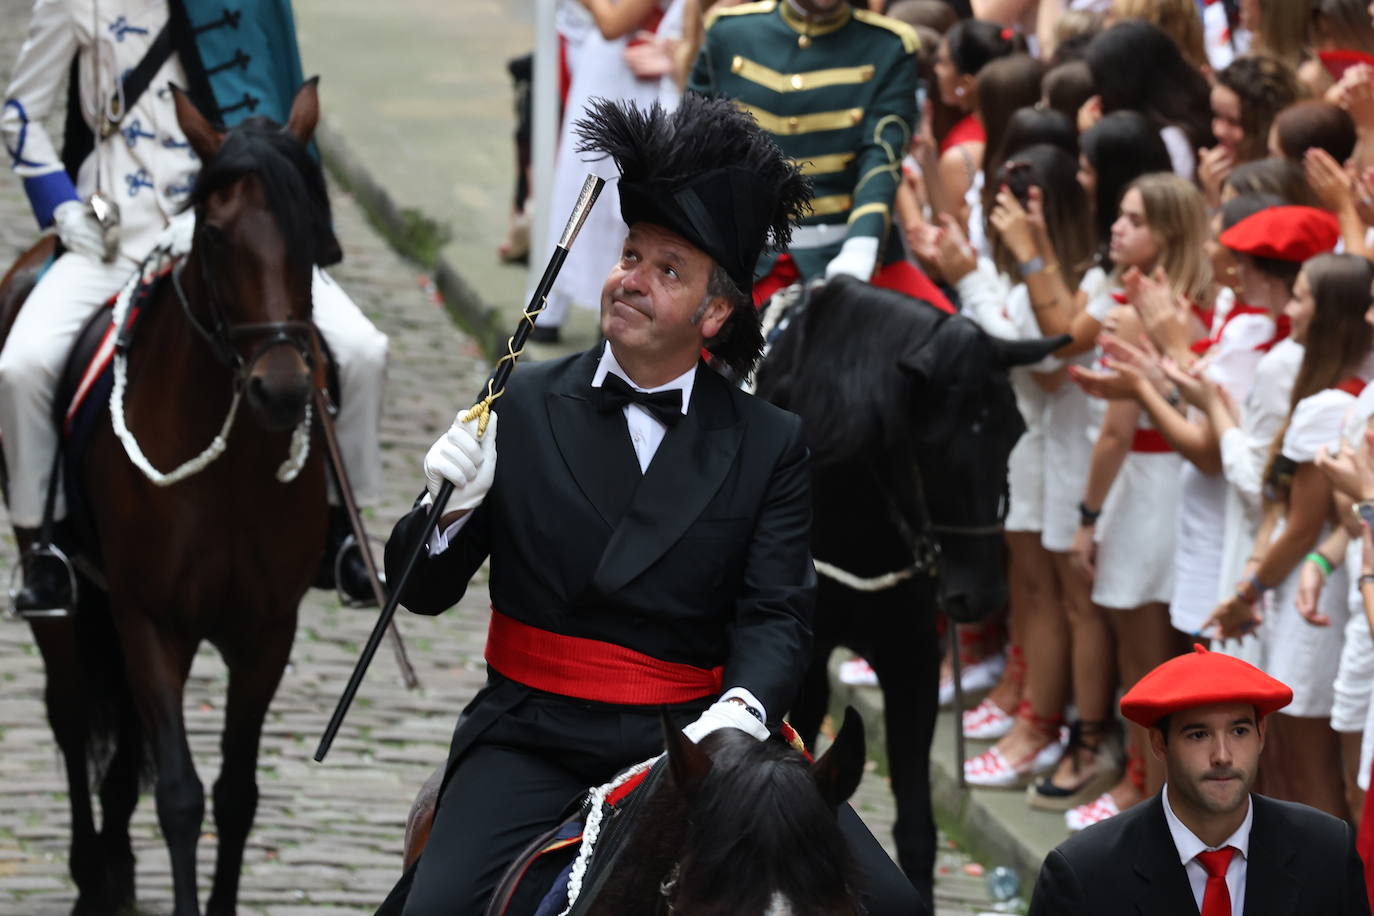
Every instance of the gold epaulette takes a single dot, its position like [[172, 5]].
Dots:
[[910, 40], [762, 6]]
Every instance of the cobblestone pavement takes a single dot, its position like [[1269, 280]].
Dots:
[[327, 838]]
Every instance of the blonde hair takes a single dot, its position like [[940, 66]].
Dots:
[[1179, 19], [1283, 30], [1177, 215]]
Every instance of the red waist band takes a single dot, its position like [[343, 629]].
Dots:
[[1151, 441], [589, 669]]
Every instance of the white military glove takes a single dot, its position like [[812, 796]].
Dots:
[[725, 714], [467, 462], [78, 229], [858, 257]]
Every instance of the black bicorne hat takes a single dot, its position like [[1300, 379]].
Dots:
[[705, 171]]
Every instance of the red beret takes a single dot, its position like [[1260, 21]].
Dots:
[[1201, 678], [1284, 233]]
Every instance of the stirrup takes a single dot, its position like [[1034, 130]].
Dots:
[[350, 542], [38, 551]]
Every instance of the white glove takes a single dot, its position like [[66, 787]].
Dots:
[[77, 228], [725, 714], [467, 462], [858, 257]]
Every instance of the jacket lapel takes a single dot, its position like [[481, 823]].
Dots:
[[1271, 885], [1164, 887], [690, 465], [595, 445]]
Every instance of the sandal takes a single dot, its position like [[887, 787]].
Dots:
[[1102, 738], [1095, 811], [992, 770], [987, 721]]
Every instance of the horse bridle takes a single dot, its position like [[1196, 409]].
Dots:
[[221, 335]]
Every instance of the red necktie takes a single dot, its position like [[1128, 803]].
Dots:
[[1216, 899]]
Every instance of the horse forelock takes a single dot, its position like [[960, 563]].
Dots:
[[292, 183], [840, 367], [759, 805]]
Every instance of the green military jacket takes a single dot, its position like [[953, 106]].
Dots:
[[839, 97]]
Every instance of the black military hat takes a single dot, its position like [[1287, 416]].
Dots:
[[705, 171]]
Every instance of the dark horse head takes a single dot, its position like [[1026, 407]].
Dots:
[[735, 827], [262, 224], [910, 418]]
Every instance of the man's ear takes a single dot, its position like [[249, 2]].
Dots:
[[1158, 746], [714, 316]]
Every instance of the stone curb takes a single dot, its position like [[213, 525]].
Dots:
[[462, 302]]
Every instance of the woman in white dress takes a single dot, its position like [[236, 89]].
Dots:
[[1237, 338], [1128, 511], [1048, 600], [1331, 297]]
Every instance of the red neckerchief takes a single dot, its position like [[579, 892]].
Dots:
[[1351, 386]]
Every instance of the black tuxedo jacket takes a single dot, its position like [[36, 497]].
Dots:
[[704, 559], [1302, 863]]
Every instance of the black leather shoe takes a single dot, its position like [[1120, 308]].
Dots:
[[342, 567], [47, 590]]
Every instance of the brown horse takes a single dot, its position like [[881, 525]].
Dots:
[[224, 555]]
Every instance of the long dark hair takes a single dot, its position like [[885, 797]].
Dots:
[[1028, 127], [1120, 147], [1338, 340], [1137, 66], [1265, 86], [974, 43], [1055, 173]]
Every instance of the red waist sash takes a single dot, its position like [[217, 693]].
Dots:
[[1150, 441], [589, 669]]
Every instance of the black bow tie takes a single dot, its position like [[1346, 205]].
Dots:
[[615, 393]]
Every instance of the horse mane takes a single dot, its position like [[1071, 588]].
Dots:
[[292, 183], [851, 389], [758, 825]]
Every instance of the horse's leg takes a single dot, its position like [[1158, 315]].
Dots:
[[253, 680], [905, 654], [63, 694], [158, 663], [118, 796]]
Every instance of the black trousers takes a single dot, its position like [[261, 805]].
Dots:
[[516, 779]]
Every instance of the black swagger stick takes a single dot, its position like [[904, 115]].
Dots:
[[481, 412]]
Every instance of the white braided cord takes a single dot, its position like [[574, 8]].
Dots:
[[860, 584], [176, 246], [591, 831]]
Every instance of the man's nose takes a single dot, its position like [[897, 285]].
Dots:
[[633, 280], [1221, 751]]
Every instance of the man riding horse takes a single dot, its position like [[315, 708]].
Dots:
[[124, 175], [678, 575]]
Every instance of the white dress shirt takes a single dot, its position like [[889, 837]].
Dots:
[[646, 435], [1188, 846]]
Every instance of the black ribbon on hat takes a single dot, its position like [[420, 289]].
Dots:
[[615, 393]]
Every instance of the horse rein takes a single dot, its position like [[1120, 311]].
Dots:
[[222, 334]]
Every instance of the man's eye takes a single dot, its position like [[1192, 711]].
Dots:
[[671, 271]]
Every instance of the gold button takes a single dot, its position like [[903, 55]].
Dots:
[[803, 41], [867, 74], [856, 115], [793, 123], [796, 81], [737, 64]]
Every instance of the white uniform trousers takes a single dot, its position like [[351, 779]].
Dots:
[[64, 299]]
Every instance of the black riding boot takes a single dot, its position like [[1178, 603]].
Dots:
[[47, 586], [342, 554]]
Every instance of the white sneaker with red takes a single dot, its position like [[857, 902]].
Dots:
[[1095, 811], [857, 672], [987, 721]]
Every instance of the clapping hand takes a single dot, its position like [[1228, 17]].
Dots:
[[1166, 319], [1350, 472], [1233, 618]]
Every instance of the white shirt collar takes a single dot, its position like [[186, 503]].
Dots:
[[608, 363], [1189, 845]]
